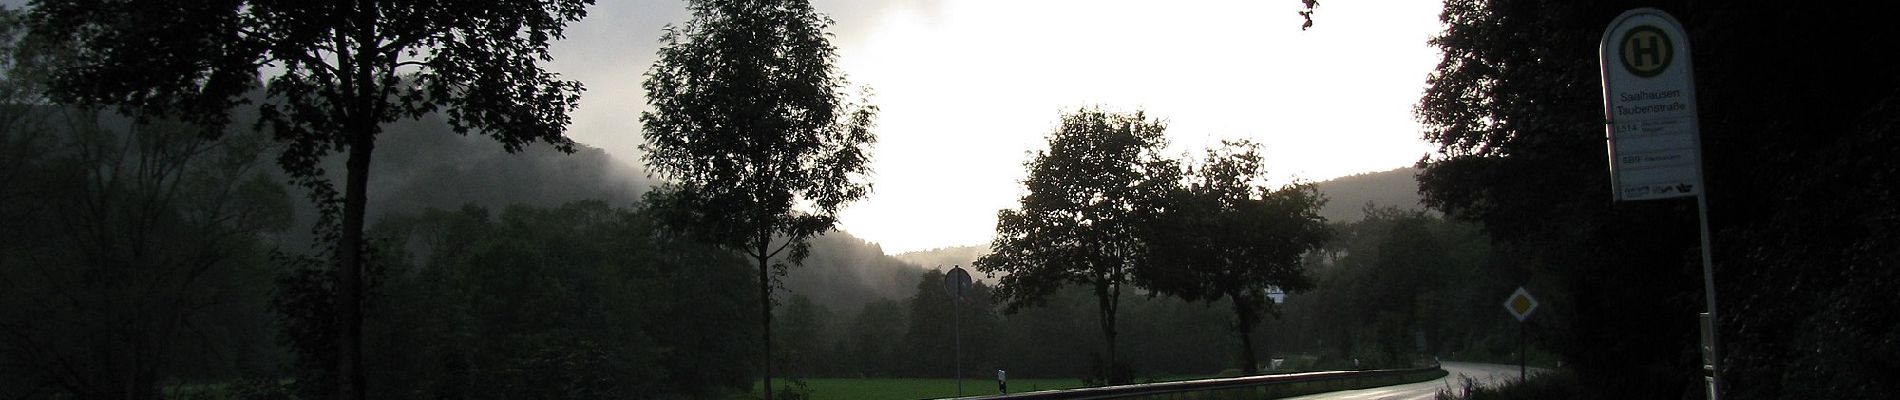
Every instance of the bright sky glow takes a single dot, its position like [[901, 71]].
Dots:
[[969, 88]]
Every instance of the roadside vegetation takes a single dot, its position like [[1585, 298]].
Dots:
[[1549, 385]]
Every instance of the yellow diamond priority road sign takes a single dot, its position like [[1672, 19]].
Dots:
[[1520, 304]]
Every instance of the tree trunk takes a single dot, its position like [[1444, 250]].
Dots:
[[360, 121], [1107, 298], [350, 381], [1243, 325], [765, 306]]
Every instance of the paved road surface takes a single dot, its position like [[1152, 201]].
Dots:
[[1487, 374]]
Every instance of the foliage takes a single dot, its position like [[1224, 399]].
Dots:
[[874, 337], [723, 149], [1307, 11], [1088, 199], [340, 71], [1799, 221], [1224, 236], [806, 325], [1554, 385], [1396, 275], [752, 134], [936, 317], [579, 301], [132, 254], [912, 338], [844, 272]]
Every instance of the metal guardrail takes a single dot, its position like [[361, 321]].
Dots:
[[1171, 389]]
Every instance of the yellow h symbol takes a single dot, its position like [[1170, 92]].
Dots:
[[1646, 51]]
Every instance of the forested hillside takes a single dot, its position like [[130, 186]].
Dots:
[[1347, 196], [424, 164], [852, 310]]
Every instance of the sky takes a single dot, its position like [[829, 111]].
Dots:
[[969, 89]]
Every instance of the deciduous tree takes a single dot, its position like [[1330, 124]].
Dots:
[[1088, 199], [339, 71], [1225, 235], [750, 127], [132, 254]]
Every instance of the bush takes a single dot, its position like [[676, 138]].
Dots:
[[248, 388], [1553, 385]]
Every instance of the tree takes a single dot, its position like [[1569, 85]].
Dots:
[[749, 127], [802, 341], [341, 71], [1089, 196], [580, 300], [132, 253], [936, 318], [1402, 282], [876, 332], [1222, 235], [137, 244]]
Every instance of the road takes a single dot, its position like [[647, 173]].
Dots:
[[1485, 374]]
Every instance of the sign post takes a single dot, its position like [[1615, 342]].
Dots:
[[1655, 144], [957, 283], [1521, 304]]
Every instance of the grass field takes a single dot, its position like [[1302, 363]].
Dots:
[[906, 389]]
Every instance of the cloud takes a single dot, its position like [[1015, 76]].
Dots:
[[857, 20]]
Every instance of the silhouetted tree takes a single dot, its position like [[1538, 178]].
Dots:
[[749, 127], [577, 301], [1223, 235], [1089, 196], [875, 333], [802, 341], [931, 339], [340, 71], [132, 253]]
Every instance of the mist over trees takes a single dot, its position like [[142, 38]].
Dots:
[[844, 272], [1395, 278], [132, 252], [340, 71], [424, 164], [1347, 196], [947, 256]]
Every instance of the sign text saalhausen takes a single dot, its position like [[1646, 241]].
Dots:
[[1649, 107]]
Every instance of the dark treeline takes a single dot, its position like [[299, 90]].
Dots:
[[913, 336], [547, 297], [132, 255], [578, 301], [1399, 283]]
